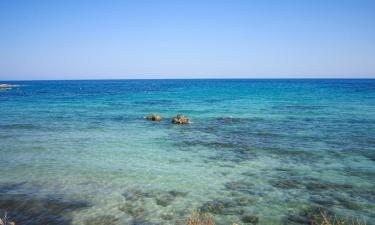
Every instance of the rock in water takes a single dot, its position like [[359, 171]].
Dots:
[[154, 117], [7, 85], [180, 119], [4, 87]]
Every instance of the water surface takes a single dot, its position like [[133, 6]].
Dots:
[[257, 151]]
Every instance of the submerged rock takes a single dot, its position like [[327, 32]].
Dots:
[[165, 199], [323, 201], [305, 216], [250, 219], [154, 117], [133, 210], [30, 209], [285, 184], [140, 221], [177, 193], [167, 216], [320, 185], [233, 211], [241, 186], [106, 219], [347, 201], [245, 201], [217, 207], [135, 195], [180, 119]]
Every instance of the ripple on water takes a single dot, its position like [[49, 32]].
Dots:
[[19, 126]]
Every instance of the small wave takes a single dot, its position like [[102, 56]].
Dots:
[[19, 126]]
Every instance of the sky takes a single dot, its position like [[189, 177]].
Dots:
[[90, 39]]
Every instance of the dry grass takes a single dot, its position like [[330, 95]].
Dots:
[[198, 219], [201, 219], [333, 220], [5, 220]]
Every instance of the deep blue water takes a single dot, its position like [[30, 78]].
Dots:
[[280, 151]]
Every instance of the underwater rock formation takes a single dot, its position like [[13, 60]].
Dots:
[[34, 210], [250, 219]]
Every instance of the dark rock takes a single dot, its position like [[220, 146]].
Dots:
[[154, 117], [214, 207], [30, 210], [177, 193], [250, 219], [217, 206], [164, 199], [180, 119]]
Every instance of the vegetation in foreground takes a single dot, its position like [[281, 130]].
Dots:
[[200, 219], [325, 219]]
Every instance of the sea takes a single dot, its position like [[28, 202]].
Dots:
[[256, 151]]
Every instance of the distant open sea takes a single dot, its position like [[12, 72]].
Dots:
[[256, 151]]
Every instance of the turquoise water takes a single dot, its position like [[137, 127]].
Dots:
[[257, 151]]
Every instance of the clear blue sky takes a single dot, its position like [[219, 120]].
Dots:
[[186, 39]]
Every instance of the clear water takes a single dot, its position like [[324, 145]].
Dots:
[[274, 151]]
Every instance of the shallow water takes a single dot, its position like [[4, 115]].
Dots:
[[257, 151]]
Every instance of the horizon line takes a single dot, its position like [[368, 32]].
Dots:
[[203, 78]]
